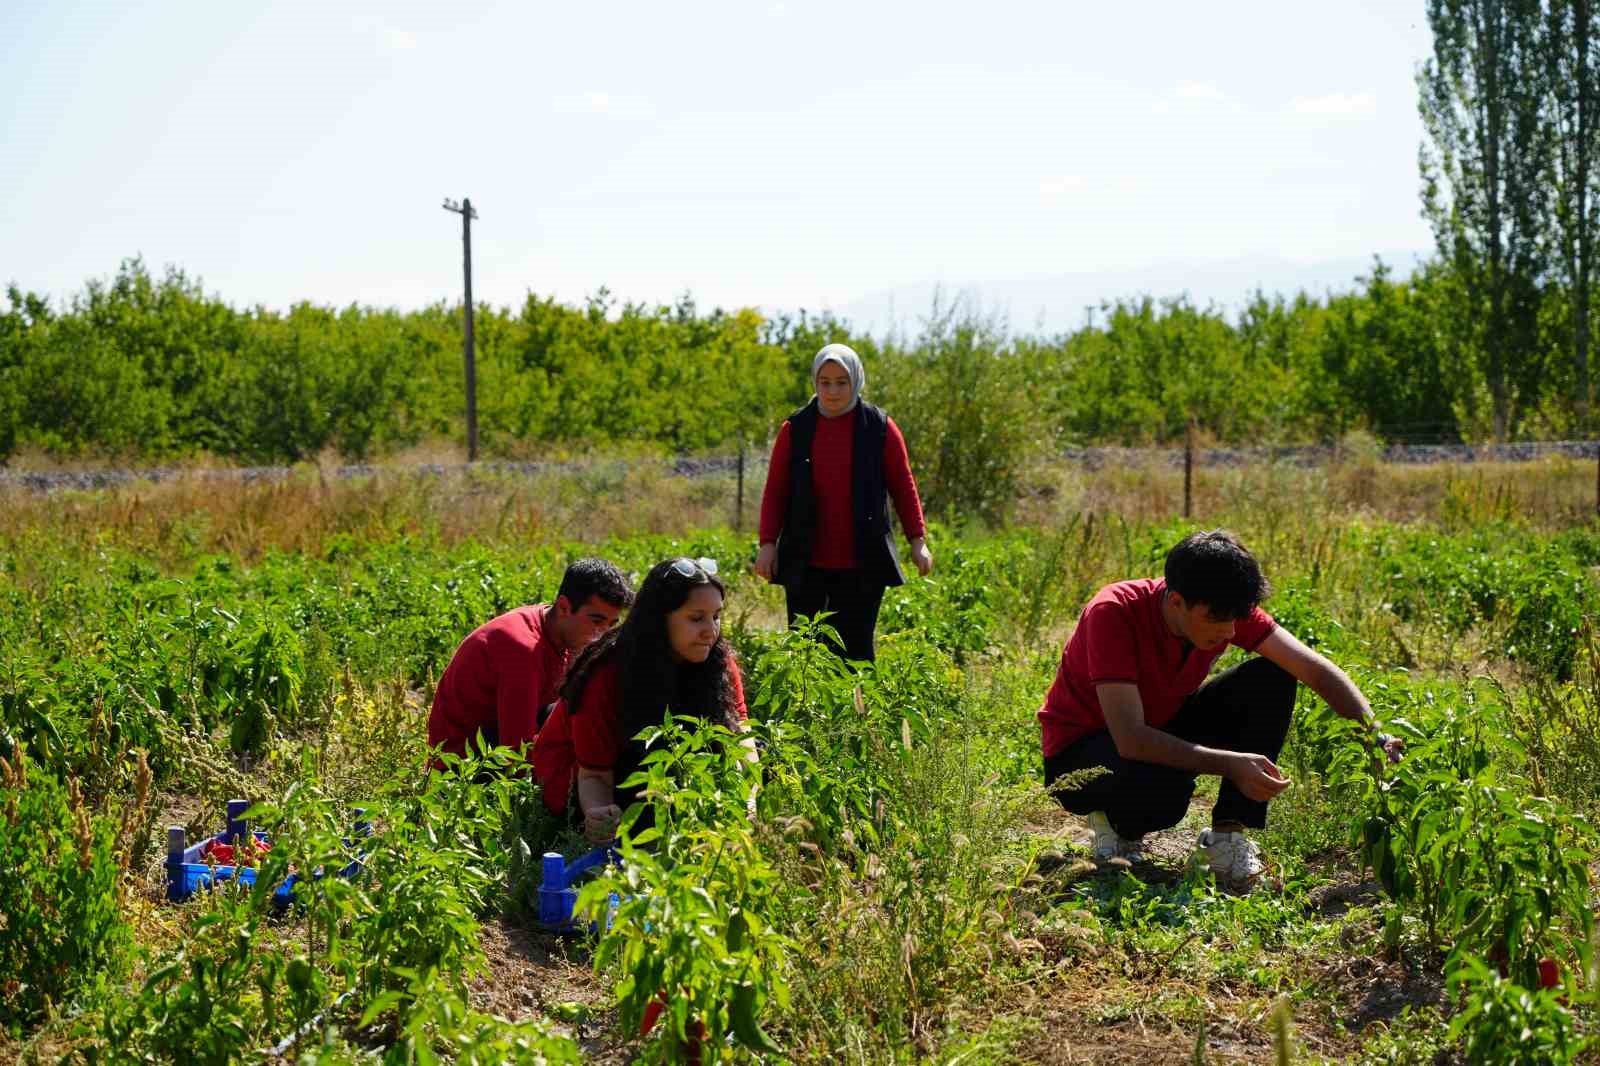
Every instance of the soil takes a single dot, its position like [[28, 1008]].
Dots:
[[1082, 1014], [533, 974]]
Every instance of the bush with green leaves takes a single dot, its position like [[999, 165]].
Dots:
[[1481, 868], [1485, 867], [385, 954], [1547, 622], [1504, 1021], [688, 927], [62, 930]]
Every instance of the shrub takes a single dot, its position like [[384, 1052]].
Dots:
[[60, 929]]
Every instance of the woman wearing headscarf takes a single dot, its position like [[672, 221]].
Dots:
[[825, 532]]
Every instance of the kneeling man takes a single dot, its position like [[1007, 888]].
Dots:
[[1131, 695], [507, 672]]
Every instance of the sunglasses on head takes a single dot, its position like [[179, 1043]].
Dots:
[[687, 567]]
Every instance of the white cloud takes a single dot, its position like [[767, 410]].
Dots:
[[779, 10], [1193, 96], [609, 105], [1201, 90], [1336, 105], [1058, 188], [397, 40]]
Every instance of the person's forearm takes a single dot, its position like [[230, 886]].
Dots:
[[1145, 744], [595, 789], [1336, 689]]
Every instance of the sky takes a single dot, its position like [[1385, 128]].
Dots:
[[772, 153]]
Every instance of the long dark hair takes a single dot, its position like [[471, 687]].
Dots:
[[650, 681]]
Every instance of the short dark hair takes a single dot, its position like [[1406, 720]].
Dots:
[[1213, 568], [595, 577]]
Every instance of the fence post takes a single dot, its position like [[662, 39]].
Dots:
[[1188, 468], [738, 504]]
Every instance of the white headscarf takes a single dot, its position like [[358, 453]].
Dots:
[[846, 357]]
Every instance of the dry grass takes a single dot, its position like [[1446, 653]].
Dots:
[[1552, 493], [198, 512]]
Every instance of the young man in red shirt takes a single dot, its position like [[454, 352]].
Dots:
[[1131, 696], [506, 674]]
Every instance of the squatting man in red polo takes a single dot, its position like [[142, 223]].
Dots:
[[1131, 695]]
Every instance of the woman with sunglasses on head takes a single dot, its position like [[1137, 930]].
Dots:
[[825, 533], [668, 654]]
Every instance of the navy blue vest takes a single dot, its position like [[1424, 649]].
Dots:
[[869, 496]]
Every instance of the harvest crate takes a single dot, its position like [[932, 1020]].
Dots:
[[191, 868]]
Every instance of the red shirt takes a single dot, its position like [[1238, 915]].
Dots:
[[1121, 636], [834, 544], [590, 738], [498, 679]]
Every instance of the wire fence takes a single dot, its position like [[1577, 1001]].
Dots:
[[755, 465]]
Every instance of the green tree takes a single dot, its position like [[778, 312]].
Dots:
[[1484, 181], [1570, 52], [1382, 366], [958, 396]]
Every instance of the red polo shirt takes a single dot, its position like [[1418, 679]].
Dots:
[[833, 546], [1121, 636], [498, 679], [591, 737]]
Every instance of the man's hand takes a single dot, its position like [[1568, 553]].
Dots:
[[600, 823], [1392, 746], [922, 557], [767, 562], [1257, 776]]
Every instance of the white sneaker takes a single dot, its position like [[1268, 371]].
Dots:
[[1108, 844], [1232, 857]]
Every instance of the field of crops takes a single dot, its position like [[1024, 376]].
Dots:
[[906, 890]]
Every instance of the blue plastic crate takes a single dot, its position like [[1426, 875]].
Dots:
[[188, 871]]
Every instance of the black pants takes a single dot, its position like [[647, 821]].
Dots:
[[852, 596], [1246, 708]]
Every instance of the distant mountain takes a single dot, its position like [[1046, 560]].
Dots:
[[1056, 304]]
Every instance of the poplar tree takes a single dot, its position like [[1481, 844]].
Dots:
[[1484, 181], [1571, 69]]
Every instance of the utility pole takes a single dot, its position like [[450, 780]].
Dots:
[[465, 210]]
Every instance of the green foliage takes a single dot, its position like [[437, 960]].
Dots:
[[140, 366], [1502, 1021], [392, 946], [961, 397], [952, 609], [1485, 185], [884, 892], [1489, 871], [688, 925], [61, 926]]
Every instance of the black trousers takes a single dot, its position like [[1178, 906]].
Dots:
[[1247, 708], [854, 598]]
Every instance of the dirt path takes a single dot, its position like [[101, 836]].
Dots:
[[537, 975]]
